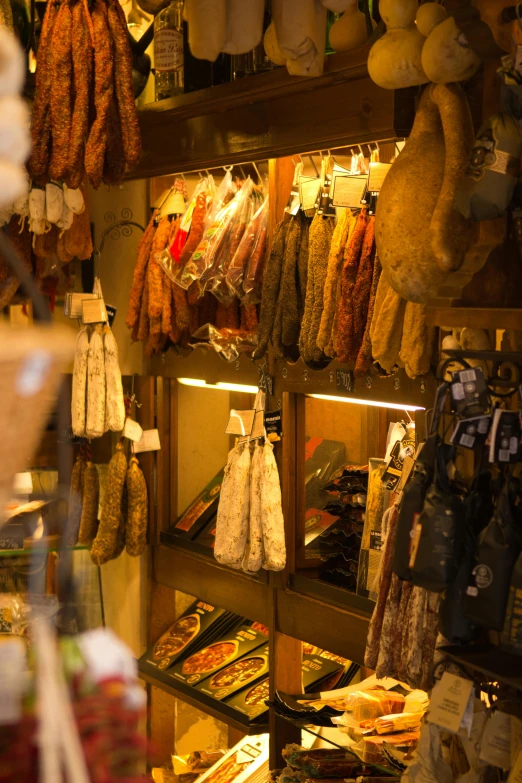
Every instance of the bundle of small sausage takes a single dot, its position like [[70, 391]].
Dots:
[[184, 280], [250, 532], [84, 62], [97, 404], [123, 519]]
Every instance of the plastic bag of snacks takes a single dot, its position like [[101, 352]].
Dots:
[[245, 272], [239, 217]]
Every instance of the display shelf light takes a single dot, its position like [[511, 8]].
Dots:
[[374, 403], [221, 385]]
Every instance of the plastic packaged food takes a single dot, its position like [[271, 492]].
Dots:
[[405, 721], [238, 219], [252, 248]]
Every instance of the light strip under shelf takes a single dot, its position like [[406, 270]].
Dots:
[[374, 403], [221, 385]]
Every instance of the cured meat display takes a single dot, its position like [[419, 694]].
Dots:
[[84, 117]]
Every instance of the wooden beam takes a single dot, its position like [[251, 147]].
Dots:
[[475, 317]]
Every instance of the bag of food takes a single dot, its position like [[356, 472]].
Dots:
[[251, 248], [478, 508], [240, 216], [438, 529], [202, 189], [499, 546], [253, 280], [411, 505], [217, 218]]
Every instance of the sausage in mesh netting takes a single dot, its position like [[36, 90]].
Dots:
[[83, 66], [352, 257], [417, 341], [106, 543], [332, 274], [75, 502], [41, 121], [140, 273], [364, 357], [124, 87], [286, 320], [103, 93], [302, 266], [90, 501], [320, 239], [138, 511], [390, 630], [143, 324], [414, 650], [376, 622], [271, 284], [387, 325], [114, 164], [61, 92], [157, 280], [362, 291], [431, 630], [403, 615]]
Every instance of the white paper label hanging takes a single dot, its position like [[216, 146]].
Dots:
[[347, 191], [308, 192], [449, 701], [240, 422], [132, 430], [93, 311], [377, 175], [495, 747], [149, 441]]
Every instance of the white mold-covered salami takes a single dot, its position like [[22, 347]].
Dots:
[[95, 420], [79, 383], [207, 27], [274, 558], [244, 25], [74, 199], [300, 30], [254, 553], [114, 403], [414, 650], [228, 509], [53, 202]]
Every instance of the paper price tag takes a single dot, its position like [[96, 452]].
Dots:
[[377, 175], [449, 701], [348, 191], [495, 747], [132, 430], [240, 422], [308, 192], [149, 441], [93, 311]]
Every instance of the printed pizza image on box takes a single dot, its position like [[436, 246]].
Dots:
[[237, 675], [229, 648]]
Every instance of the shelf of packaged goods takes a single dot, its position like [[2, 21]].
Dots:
[[475, 317], [343, 744], [340, 630], [495, 664], [200, 701], [270, 115], [203, 577]]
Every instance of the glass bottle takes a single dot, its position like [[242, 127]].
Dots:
[[168, 51]]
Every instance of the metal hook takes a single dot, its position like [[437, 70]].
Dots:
[[360, 150], [242, 170], [258, 173], [312, 161]]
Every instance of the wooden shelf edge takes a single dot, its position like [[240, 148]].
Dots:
[[203, 578], [333, 595], [489, 660], [341, 66], [339, 630], [475, 317], [201, 702]]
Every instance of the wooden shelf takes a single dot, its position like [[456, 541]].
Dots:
[[201, 701], [339, 630], [297, 377], [272, 115], [203, 578], [475, 317]]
